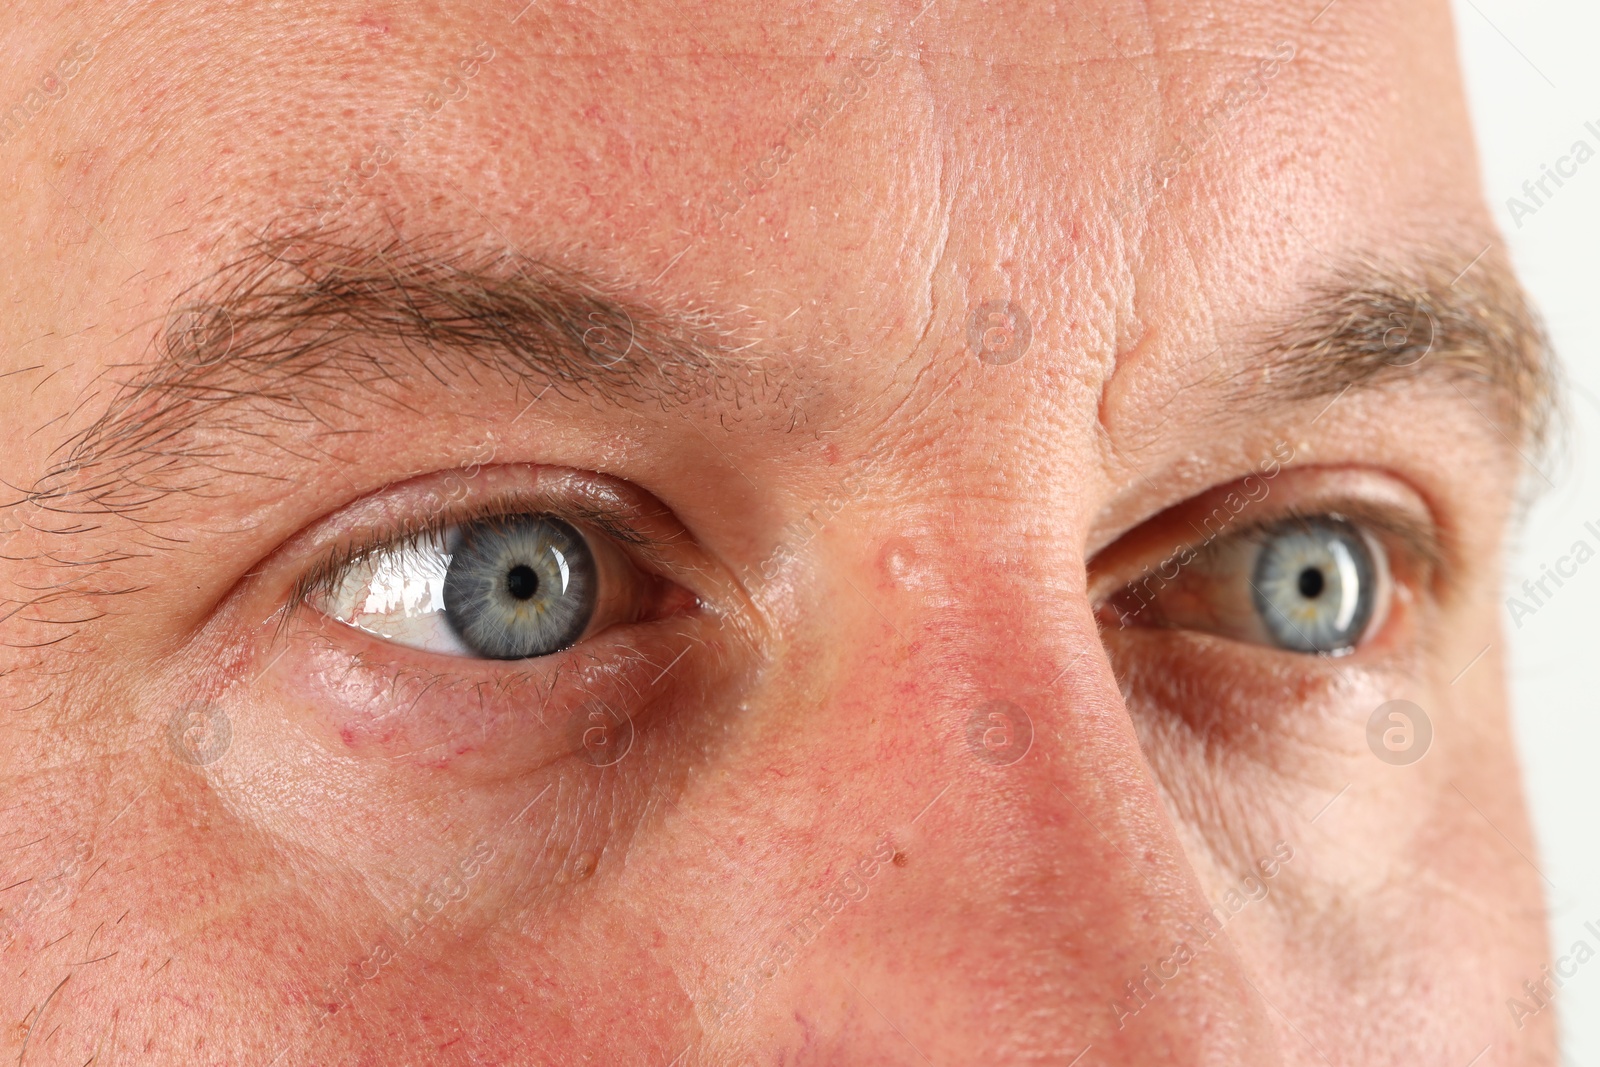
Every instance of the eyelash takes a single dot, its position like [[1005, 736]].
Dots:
[[1417, 539]]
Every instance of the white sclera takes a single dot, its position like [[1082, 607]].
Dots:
[[398, 595]]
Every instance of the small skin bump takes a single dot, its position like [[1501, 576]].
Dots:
[[898, 564], [582, 868], [585, 866]]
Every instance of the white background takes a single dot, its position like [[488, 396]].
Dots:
[[1533, 80]]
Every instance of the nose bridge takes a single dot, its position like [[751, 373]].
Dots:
[[1047, 882]]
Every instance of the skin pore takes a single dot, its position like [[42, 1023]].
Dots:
[[883, 353]]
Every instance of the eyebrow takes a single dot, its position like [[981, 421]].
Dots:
[[1372, 325], [292, 324], [301, 320]]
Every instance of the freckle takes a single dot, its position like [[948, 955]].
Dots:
[[899, 859]]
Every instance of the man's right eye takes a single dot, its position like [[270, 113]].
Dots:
[[506, 587]]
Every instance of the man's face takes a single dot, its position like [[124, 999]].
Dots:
[[603, 533]]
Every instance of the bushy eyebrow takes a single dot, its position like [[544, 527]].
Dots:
[[1368, 324], [293, 324]]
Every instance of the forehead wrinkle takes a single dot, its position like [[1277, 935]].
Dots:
[[282, 333], [1369, 324]]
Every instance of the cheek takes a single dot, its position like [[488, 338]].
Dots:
[[1183, 684]]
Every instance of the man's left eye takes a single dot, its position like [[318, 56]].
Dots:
[[508, 587], [1318, 584]]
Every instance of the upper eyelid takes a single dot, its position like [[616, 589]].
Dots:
[[1421, 552], [1419, 539]]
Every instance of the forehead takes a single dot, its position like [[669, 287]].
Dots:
[[844, 181]]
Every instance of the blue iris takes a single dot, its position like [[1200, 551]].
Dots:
[[1315, 585], [519, 586]]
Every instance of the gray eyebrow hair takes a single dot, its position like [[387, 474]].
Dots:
[[303, 319], [1367, 324]]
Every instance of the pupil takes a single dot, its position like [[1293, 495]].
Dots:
[[522, 583], [1311, 583]]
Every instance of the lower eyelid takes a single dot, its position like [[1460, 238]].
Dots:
[[367, 697]]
